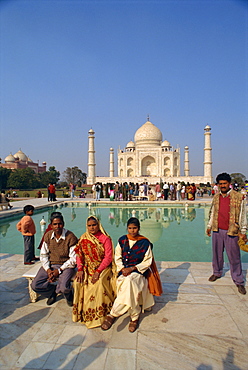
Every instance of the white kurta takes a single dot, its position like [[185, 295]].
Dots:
[[132, 290]]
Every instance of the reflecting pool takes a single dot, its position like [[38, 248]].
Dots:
[[178, 233]]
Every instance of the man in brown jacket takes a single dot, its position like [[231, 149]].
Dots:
[[227, 221], [58, 260]]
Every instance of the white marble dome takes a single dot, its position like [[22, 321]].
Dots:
[[21, 156], [10, 158], [130, 144], [166, 143], [148, 135]]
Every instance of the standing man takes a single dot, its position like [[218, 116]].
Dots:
[[227, 221], [117, 191], [72, 189], [98, 190], [179, 188], [58, 260], [166, 190]]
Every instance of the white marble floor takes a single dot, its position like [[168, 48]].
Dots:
[[195, 324]]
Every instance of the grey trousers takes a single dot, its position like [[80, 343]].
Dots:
[[28, 248], [42, 286]]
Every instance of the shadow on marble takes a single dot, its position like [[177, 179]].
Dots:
[[24, 327], [59, 356]]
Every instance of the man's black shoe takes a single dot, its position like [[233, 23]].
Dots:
[[241, 289], [70, 303], [213, 278], [52, 299], [69, 299]]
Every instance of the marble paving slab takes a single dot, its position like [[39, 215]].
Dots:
[[175, 275], [62, 357], [73, 335], [91, 358], [191, 319], [172, 351], [35, 355], [119, 359], [188, 288], [238, 311], [189, 298]]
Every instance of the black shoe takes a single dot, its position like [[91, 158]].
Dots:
[[52, 299], [70, 303], [213, 278], [36, 259], [241, 289], [69, 300]]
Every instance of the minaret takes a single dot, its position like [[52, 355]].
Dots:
[[186, 161], [111, 163], [208, 154], [91, 158]]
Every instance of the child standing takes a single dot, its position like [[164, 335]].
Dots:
[[27, 227]]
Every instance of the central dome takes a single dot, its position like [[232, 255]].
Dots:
[[148, 135]]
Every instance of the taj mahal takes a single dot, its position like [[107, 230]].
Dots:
[[148, 158]]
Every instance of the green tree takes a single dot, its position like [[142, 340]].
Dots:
[[24, 178], [239, 178], [4, 175], [75, 176], [50, 176]]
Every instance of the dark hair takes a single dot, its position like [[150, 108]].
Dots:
[[3, 191], [54, 215], [135, 221], [57, 215], [28, 208], [224, 177], [93, 218]]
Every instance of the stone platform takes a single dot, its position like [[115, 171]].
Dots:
[[195, 324]]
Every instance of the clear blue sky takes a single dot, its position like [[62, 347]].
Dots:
[[68, 66]]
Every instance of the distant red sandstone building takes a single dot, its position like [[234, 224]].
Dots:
[[20, 160]]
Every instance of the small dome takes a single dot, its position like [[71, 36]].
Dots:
[[10, 158], [130, 144], [166, 143], [186, 148], [148, 135], [91, 131], [207, 128], [22, 157]]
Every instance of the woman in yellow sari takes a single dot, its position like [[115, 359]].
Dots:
[[94, 285]]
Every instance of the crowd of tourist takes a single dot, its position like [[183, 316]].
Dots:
[[143, 191]]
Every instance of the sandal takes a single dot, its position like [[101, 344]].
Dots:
[[108, 322], [133, 325]]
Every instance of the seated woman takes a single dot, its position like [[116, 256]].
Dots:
[[133, 257], [94, 284]]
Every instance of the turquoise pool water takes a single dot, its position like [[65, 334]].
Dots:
[[178, 233]]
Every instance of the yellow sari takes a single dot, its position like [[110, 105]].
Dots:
[[92, 302]]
